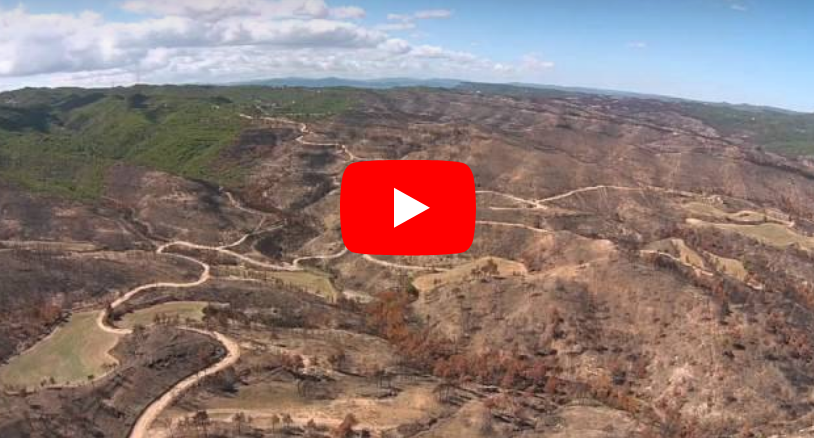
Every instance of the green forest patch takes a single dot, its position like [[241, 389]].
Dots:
[[62, 141]]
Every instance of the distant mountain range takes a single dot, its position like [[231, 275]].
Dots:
[[386, 83], [354, 83]]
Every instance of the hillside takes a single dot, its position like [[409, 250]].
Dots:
[[62, 141], [640, 267]]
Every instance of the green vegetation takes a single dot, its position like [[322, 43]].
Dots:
[[183, 310], [71, 355], [61, 141], [781, 131]]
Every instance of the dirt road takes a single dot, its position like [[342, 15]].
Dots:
[[372, 259], [513, 225], [142, 427], [299, 260]]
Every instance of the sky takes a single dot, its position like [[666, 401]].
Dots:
[[737, 51]]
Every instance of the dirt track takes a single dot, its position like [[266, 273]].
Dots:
[[154, 410], [299, 260]]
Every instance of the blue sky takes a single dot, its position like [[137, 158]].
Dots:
[[754, 51]]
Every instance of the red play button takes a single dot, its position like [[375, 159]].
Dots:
[[403, 207]]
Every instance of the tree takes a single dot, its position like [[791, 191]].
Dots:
[[304, 387], [486, 421], [202, 421], [275, 421], [337, 360], [287, 422], [443, 391], [345, 429], [239, 419], [551, 385], [311, 428]]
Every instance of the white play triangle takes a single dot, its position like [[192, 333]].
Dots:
[[405, 208]]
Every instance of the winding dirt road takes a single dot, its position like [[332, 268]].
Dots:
[[643, 188], [539, 204], [531, 204], [143, 423], [305, 131], [154, 410], [299, 260], [230, 253], [513, 225], [372, 259]]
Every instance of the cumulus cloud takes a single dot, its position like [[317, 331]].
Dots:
[[221, 41], [217, 9], [395, 27], [348, 12], [36, 43], [407, 21], [421, 15]]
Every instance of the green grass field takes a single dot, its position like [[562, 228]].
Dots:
[[184, 310], [74, 352]]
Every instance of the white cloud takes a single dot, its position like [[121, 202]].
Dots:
[[348, 12], [407, 21], [433, 13], [217, 9], [395, 27], [532, 63], [35, 43], [637, 45], [399, 17], [223, 41], [421, 15]]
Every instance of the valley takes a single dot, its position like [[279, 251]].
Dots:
[[636, 271]]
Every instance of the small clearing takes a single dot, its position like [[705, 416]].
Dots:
[[772, 234], [486, 266], [75, 353], [183, 310]]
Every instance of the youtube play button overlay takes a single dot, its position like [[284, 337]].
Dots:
[[407, 207]]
